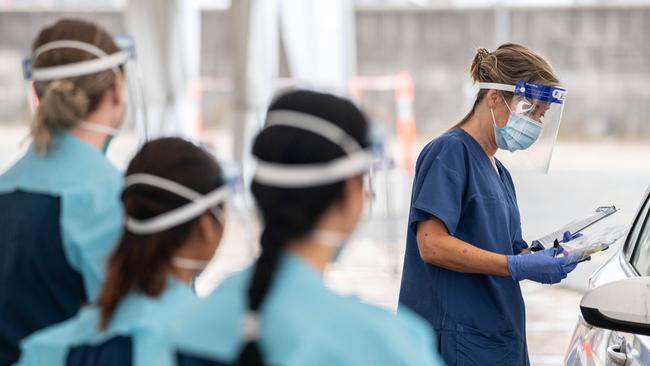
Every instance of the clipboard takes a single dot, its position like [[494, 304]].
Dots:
[[574, 227]]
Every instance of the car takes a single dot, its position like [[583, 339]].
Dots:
[[614, 328]]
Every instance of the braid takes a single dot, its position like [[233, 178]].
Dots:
[[263, 275], [291, 213]]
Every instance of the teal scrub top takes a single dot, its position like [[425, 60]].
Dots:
[[60, 217], [136, 334], [303, 323], [89, 188]]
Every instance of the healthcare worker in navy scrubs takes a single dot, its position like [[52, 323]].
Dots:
[[465, 254], [60, 213]]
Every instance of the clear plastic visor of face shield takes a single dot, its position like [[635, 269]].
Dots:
[[356, 161], [540, 105], [121, 62]]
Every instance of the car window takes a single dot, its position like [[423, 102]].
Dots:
[[641, 236]]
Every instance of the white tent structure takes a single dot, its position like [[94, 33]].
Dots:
[[167, 36], [316, 36]]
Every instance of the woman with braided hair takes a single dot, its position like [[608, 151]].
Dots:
[[308, 185]]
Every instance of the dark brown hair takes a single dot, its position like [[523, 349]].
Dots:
[[64, 103], [141, 262]]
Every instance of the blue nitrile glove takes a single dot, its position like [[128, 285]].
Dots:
[[542, 267]]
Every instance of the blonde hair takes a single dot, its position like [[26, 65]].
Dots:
[[505, 65], [63, 104]]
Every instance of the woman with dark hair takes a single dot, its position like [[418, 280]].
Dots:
[[308, 186], [173, 202]]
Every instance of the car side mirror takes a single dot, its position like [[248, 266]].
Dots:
[[622, 306]]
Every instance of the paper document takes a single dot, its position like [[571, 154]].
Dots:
[[574, 227]]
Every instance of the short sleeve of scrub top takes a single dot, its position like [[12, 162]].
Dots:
[[456, 182], [439, 186]]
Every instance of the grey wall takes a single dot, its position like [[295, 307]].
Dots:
[[602, 55]]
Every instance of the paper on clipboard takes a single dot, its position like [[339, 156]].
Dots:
[[594, 242], [574, 227]]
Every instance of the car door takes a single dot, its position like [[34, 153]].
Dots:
[[592, 346], [637, 346]]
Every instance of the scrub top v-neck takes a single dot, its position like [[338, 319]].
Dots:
[[479, 319]]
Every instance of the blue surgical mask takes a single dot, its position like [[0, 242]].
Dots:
[[520, 132]]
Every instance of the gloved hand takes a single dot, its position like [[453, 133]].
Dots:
[[542, 266]]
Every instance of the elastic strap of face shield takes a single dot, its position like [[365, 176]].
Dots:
[[198, 204], [497, 86], [101, 63], [356, 161]]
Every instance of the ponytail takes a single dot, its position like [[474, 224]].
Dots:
[[60, 109], [263, 275], [141, 263], [65, 103], [291, 213], [506, 65]]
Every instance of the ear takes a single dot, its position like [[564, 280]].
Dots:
[[207, 228], [492, 98], [117, 89], [351, 188]]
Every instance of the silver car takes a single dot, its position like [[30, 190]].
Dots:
[[614, 328]]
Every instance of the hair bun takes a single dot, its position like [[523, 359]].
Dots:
[[476, 69], [482, 53], [63, 86]]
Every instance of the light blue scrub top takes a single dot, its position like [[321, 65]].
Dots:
[[89, 187], [60, 217], [136, 334], [304, 323]]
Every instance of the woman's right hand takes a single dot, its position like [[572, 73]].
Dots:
[[542, 267]]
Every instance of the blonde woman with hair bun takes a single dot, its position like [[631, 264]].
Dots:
[[60, 210], [465, 253]]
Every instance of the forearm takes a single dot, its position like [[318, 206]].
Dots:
[[456, 255]]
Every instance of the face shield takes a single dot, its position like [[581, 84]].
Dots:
[[357, 161], [526, 141], [121, 62], [219, 202]]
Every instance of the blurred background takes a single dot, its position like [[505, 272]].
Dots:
[[209, 68]]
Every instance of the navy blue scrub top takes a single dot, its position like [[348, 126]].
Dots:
[[479, 319]]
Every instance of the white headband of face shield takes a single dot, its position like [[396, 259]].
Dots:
[[198, 204], [101, 63], [355, 162], [522, 107], [497, 86]]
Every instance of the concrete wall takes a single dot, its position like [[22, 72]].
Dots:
[[601, 54]]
